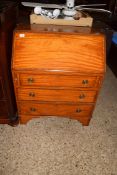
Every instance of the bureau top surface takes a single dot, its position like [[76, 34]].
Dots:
[[58, 51]]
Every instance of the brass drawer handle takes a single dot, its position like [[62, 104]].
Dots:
[[78, 110], [32, 94], [85, 82], [30, 80], [32, 109], [81, 96]]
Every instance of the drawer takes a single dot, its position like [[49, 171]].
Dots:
[[57, 81], [3, 108], [56, 95], [1, 90], [48, 109]]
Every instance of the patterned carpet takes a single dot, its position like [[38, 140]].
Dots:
[[58, 146]]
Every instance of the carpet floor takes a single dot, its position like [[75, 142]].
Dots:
[[60, 146]]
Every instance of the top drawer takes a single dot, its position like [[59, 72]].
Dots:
[[57, 81]]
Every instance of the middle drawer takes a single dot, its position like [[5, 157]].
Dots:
[[56, 95]]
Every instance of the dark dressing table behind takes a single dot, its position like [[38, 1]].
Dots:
[[8, 15]]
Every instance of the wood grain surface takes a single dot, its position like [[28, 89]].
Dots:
[[56, 95], [57, 81], [59, 52], [48, 109], [57, 73]]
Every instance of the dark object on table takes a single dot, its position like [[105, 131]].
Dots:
[[8, 15]]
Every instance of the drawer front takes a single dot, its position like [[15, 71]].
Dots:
[[3, 108], [56, 95], [30, 108], [57, 81], [1, 90]]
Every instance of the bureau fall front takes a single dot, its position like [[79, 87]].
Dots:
[[57, 73]]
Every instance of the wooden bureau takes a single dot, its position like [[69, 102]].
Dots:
[[57, 71]]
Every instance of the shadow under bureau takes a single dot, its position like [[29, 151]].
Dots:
[[57, 73]]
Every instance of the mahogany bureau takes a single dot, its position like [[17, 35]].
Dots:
[[57, 71]]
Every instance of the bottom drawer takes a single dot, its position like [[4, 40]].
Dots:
[[42, 109]]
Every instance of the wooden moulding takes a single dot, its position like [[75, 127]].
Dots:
[[83, 21]]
